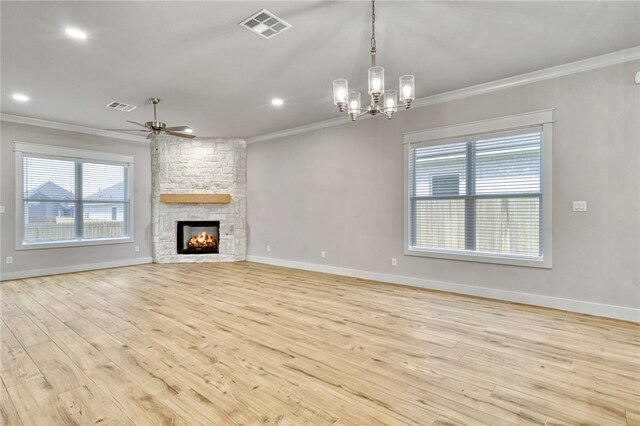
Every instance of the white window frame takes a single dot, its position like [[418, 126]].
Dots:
[[440, 135], [55, 152]]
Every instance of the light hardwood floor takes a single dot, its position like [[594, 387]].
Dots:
[[244, 343]]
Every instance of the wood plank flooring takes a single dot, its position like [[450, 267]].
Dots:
[[244, 343]]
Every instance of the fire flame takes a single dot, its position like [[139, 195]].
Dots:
[[201, 240]]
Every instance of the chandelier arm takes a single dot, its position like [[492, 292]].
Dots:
[[348, 109]]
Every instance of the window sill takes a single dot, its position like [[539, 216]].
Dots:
[[480, 257], [73, 243]]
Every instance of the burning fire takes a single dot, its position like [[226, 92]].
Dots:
[[201, 240]]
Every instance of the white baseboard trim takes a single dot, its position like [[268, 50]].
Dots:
[[579, 306], [73, 268]]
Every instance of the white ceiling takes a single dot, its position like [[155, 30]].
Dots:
[[219, 78]]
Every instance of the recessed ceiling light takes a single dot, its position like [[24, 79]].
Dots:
[[20, 97], [277, 102], [188, 130], [75, 33]]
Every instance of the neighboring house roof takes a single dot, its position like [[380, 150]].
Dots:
[[113, 192], [50, 190]]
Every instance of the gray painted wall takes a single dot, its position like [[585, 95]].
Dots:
[[26, 260], [340, 190]]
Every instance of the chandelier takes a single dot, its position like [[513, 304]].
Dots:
[[383, 102]]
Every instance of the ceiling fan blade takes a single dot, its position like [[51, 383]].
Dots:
[[177, 128], [180, 135], [126, 130], [139, 124]]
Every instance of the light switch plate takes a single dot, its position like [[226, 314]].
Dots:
[[579, 206], [1, 209]]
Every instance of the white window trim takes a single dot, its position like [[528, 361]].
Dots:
[[82, 154], [436, 136], [21, 148]]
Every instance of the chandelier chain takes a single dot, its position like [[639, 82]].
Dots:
[[373, 27]]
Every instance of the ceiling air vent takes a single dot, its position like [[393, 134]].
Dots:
[[121, 107], [265, 24]]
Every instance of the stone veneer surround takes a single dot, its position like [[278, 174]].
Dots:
[[199, 166]]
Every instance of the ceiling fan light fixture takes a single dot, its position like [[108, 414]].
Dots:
[[156, 128], [383, 101]]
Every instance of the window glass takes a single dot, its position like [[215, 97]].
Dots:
[[66, 200]]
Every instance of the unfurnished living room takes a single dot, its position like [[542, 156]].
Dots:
[[320, 213]]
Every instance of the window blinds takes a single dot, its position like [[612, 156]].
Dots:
[[70, 199], [478, 194]]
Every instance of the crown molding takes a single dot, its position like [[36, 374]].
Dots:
[[9, 118], [533, 77], [614, 58], [596, 62], [302, 129]]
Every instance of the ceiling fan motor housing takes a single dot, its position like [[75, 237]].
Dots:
[[156, 125]]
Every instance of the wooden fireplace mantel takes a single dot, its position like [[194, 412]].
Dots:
[[196, 198]]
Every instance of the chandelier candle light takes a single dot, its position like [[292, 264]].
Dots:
[[383, 102]]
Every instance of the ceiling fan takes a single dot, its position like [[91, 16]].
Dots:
[[156, 127]]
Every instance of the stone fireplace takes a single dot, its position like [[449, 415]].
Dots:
[[182, 168]]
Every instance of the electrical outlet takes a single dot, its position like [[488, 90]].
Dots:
[[579, 206], [137, 249], [394, 261], [268, 247], [1, 209], [9, 259], [323, 254]]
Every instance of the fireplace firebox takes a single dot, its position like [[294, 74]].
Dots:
[[198, 237]]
